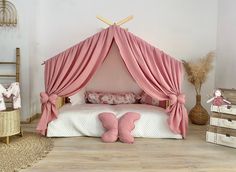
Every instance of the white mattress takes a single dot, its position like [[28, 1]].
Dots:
[[82, 120]]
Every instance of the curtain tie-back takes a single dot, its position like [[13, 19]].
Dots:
[[45, 98], [177, 98], [49, 111]]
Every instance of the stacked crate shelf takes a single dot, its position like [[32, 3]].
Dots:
[[222, 127]]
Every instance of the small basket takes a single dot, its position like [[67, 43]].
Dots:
[[9, 122]]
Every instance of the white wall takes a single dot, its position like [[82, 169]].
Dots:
[[226, 45], [20, 36], [185, 29]]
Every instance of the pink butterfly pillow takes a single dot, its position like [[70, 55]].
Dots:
[[121, 128], [110, 124], [126, 125]]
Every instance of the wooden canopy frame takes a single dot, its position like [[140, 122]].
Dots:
[[119, 23]]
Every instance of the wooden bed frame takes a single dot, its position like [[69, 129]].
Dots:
[[60, 102]]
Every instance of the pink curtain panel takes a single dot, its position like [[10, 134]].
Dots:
[[157, 73]]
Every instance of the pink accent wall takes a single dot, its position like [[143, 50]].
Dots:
[[113, 76]]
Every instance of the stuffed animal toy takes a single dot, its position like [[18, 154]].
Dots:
[[218, 99]]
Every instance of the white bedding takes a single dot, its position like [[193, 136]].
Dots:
[[82, 120]]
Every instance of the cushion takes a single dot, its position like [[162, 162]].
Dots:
[[146, 99], [110, 124], [126, 125], [78, 98], [110, 98]]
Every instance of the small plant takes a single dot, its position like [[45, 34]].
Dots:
[[198, 70]]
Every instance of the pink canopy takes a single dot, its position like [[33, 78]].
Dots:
[[158, 74]]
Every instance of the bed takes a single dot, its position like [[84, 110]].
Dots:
[[155, 72], [82, 120]]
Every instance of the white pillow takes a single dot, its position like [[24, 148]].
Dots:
[[78, 98]]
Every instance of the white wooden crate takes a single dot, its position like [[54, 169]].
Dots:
[[224, 109], [223, 120], [221, 139], [221, 136]]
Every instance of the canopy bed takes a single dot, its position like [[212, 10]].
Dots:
[[156, 73]]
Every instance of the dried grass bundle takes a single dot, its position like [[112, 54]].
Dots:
[[197, 70]]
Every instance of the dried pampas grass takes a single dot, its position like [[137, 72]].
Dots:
[[197, 71]]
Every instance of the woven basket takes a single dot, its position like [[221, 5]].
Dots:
[[9, 123]]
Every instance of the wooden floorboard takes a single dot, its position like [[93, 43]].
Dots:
[[85, 154]]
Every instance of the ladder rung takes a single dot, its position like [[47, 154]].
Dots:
[[7, 62], [7, 75]]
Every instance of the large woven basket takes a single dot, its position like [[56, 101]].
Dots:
[[9, 122]]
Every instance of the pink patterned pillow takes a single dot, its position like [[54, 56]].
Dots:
[[146, 99], [110, 98], [110, 123], [126, 125]]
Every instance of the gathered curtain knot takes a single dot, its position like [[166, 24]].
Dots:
[[177, 98], [45, 98]]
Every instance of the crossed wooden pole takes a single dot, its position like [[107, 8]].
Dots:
[[108, 22]]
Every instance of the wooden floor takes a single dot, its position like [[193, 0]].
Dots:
[[146, 155]]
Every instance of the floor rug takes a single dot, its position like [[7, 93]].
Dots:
[[22, 152]]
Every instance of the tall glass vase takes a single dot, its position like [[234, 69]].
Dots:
[[198, 115]]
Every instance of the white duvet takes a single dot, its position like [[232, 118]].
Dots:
[[82, 120]]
